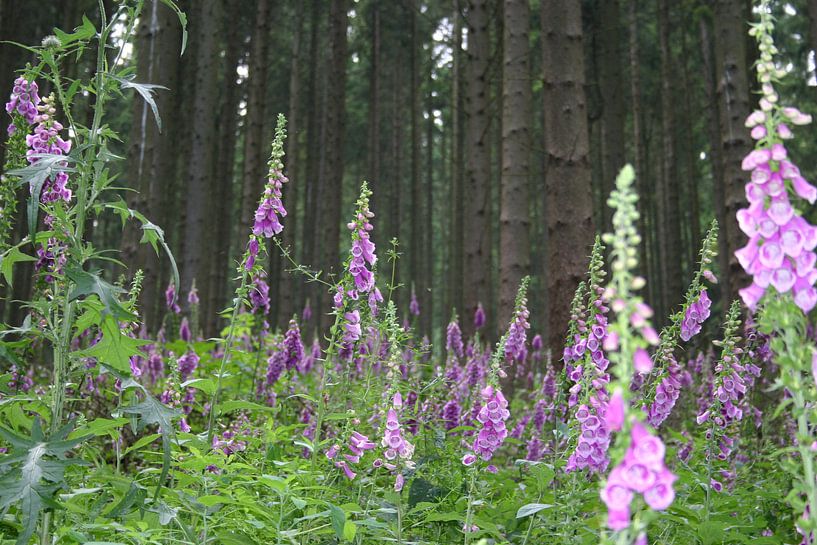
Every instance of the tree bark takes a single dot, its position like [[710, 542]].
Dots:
[[733, 105], [514, 217], [669, 206], [477, 233], [568, 177], [335, 128], [289, 286], [255, 149], [220, 265], [203, 129]]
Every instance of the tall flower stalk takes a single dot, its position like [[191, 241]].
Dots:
[[639, 454], [267, 225]]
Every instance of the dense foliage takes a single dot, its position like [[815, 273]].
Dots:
[[365, 432]]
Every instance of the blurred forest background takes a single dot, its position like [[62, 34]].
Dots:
[[490, 131]]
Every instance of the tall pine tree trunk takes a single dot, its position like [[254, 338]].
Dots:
[[610, 54], [455, 249], [669, 206], [288, 290], [514, 217], [335, 128], [477, 234], [203, 129], [569, 209], [221, 266], [255, 149], [731, 71]]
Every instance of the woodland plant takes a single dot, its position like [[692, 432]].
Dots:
[[365, 433]]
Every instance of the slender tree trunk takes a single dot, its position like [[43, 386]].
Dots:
[[514, 217], [255, 149], [567, 178], [429, 249], [691, 182], [200, 169], [715, 152], [457, 159], [668, 209], [613, 111], [335, 128], [288, 285], [375, 182], [477, 234], [733, 105], [415, 245], [221, 266]]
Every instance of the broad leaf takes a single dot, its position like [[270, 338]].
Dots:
[[81, 33], [7, 261], [531, 509], [92, 283], [33, 472], [115, 348]]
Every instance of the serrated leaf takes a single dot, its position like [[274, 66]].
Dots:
[[531, 509], [135, 496], [88, 283], [35, 175], [349, 530], [152, 411], [84, 32], [115, 348], [146, 91], [7, 261], [38, 467]]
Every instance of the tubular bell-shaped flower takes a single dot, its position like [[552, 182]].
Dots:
[[780, 252]]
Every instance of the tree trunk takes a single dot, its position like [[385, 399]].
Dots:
[[415, 248], [514, 217], [613, 112], [221, 266], [335, 128], [255, 149], [733, 104], [455, 250], [477, 233], [288, 290], [812, 14], [715, 152], [668, 209], [203, 129], [567, 178]]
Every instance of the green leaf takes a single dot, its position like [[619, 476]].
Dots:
[[7, 261], [240, 405], [81, 33], [100, 426], [146, 91], [35, 175], [152, 411], [135, 496], [349, 530], [88, 283], [38, 469], [338, 517], [182, 20], [711, 532], [115, 348], [531, 509], [152, 234], [206, 385]]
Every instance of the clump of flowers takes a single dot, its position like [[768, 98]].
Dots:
[[23, 101], [362, 247], [780, 251], [358, 444], [46, 140], [696, 314], [292, 346], [397, 448], [515, 350], [642, 471], [586, 366]]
